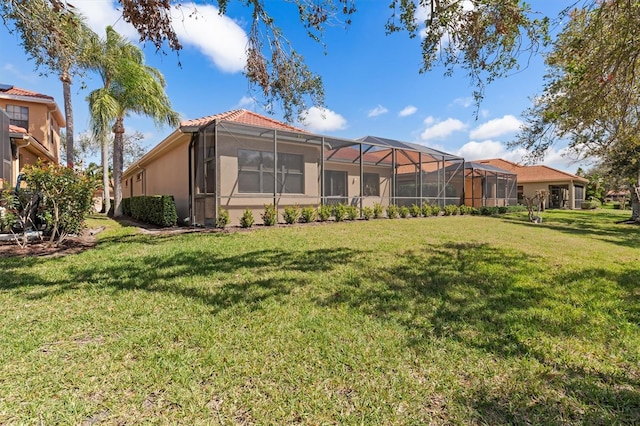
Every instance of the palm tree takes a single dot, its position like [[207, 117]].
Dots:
[[56, 39], [129, 86]]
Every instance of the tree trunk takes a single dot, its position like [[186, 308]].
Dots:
[[68, 116], [106, 192], [118, 159], [635, 202]]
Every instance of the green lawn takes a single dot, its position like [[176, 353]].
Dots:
[[450, 320]]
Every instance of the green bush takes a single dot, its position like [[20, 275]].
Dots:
[[377, 210], [223, 218], [269, 216], [352, 212], [426, 210], [404, 212], [339, 212], [324, 213], [66, 197], [392, 211], [157, 210], [291, 214], [451, 210], [590, 205], [308, 214], [435, 210], [465, 209], [247, 220], [414, 210], [367, 212]]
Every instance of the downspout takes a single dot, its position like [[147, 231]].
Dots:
[[361, 180], [192, 216], [322, 189]]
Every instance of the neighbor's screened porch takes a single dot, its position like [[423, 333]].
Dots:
[[489, 186], [237, 166]]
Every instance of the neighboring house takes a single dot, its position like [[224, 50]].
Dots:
[[618, 196], [565, 189], [239, 159], [30, 126], [489, 186]]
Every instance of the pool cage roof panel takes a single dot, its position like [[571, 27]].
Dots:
[[486, 168], [378, 146], [392, 143]]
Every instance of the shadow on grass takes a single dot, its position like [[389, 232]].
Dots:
[[589, 225], [218, 280], [501, 302]]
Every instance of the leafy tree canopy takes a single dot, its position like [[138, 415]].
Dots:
[[483, 37]]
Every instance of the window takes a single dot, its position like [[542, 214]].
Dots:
[[371, 183], [335, 186], [256, 172], [520, 192], [18, 116], [139, 177]]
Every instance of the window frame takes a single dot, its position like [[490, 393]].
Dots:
[[14, 111], [265, 169]]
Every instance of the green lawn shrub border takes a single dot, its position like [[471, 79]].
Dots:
[[157, 210]]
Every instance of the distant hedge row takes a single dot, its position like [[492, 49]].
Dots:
[[155, 209]]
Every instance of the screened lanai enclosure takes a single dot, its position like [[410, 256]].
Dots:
[[489, 186], [237, 166]]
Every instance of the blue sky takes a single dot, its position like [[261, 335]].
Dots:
[[372, 84]]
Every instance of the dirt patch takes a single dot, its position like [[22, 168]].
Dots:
[[71, 245]]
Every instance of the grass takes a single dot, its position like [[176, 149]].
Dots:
[[456, 320]]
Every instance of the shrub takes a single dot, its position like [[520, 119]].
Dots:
[[435, 210], [247, 221], [269, 216], [426, 210], [414, 210], [367, 213], [291, 214], [339, 212], [377, 210], [392, 211], [590, 205], [502, 209], [464, 209], [308, 214], [404, 212], [450, 210], [67, 197], [223, 218], [352, 212], [324, 213], [154, 209]]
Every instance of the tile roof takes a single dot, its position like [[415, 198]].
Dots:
[[16, 91], [17, 129], [242, 116], [538, 173]]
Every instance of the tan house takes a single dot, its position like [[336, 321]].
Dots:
[[30, 126], [565, 189], [239, 159]]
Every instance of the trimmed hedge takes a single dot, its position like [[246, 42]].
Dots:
[[156, 209]]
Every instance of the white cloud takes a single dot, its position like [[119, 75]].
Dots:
[[379, 110], [463, 102], [217, 37], [323, 120], [101, 13], [558, 158], [407, 111], [441, 129], [246, 101], [484, 113], [488, 149], [496, 127]]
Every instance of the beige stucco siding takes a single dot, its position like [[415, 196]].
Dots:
[[529, 190]]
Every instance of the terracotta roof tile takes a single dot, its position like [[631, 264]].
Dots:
[[241, 116], [538, 173], [16, 91], [17, 129]]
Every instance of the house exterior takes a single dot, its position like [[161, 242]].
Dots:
[[239, 159], [566, 190], [489, 186], [30, 126]]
